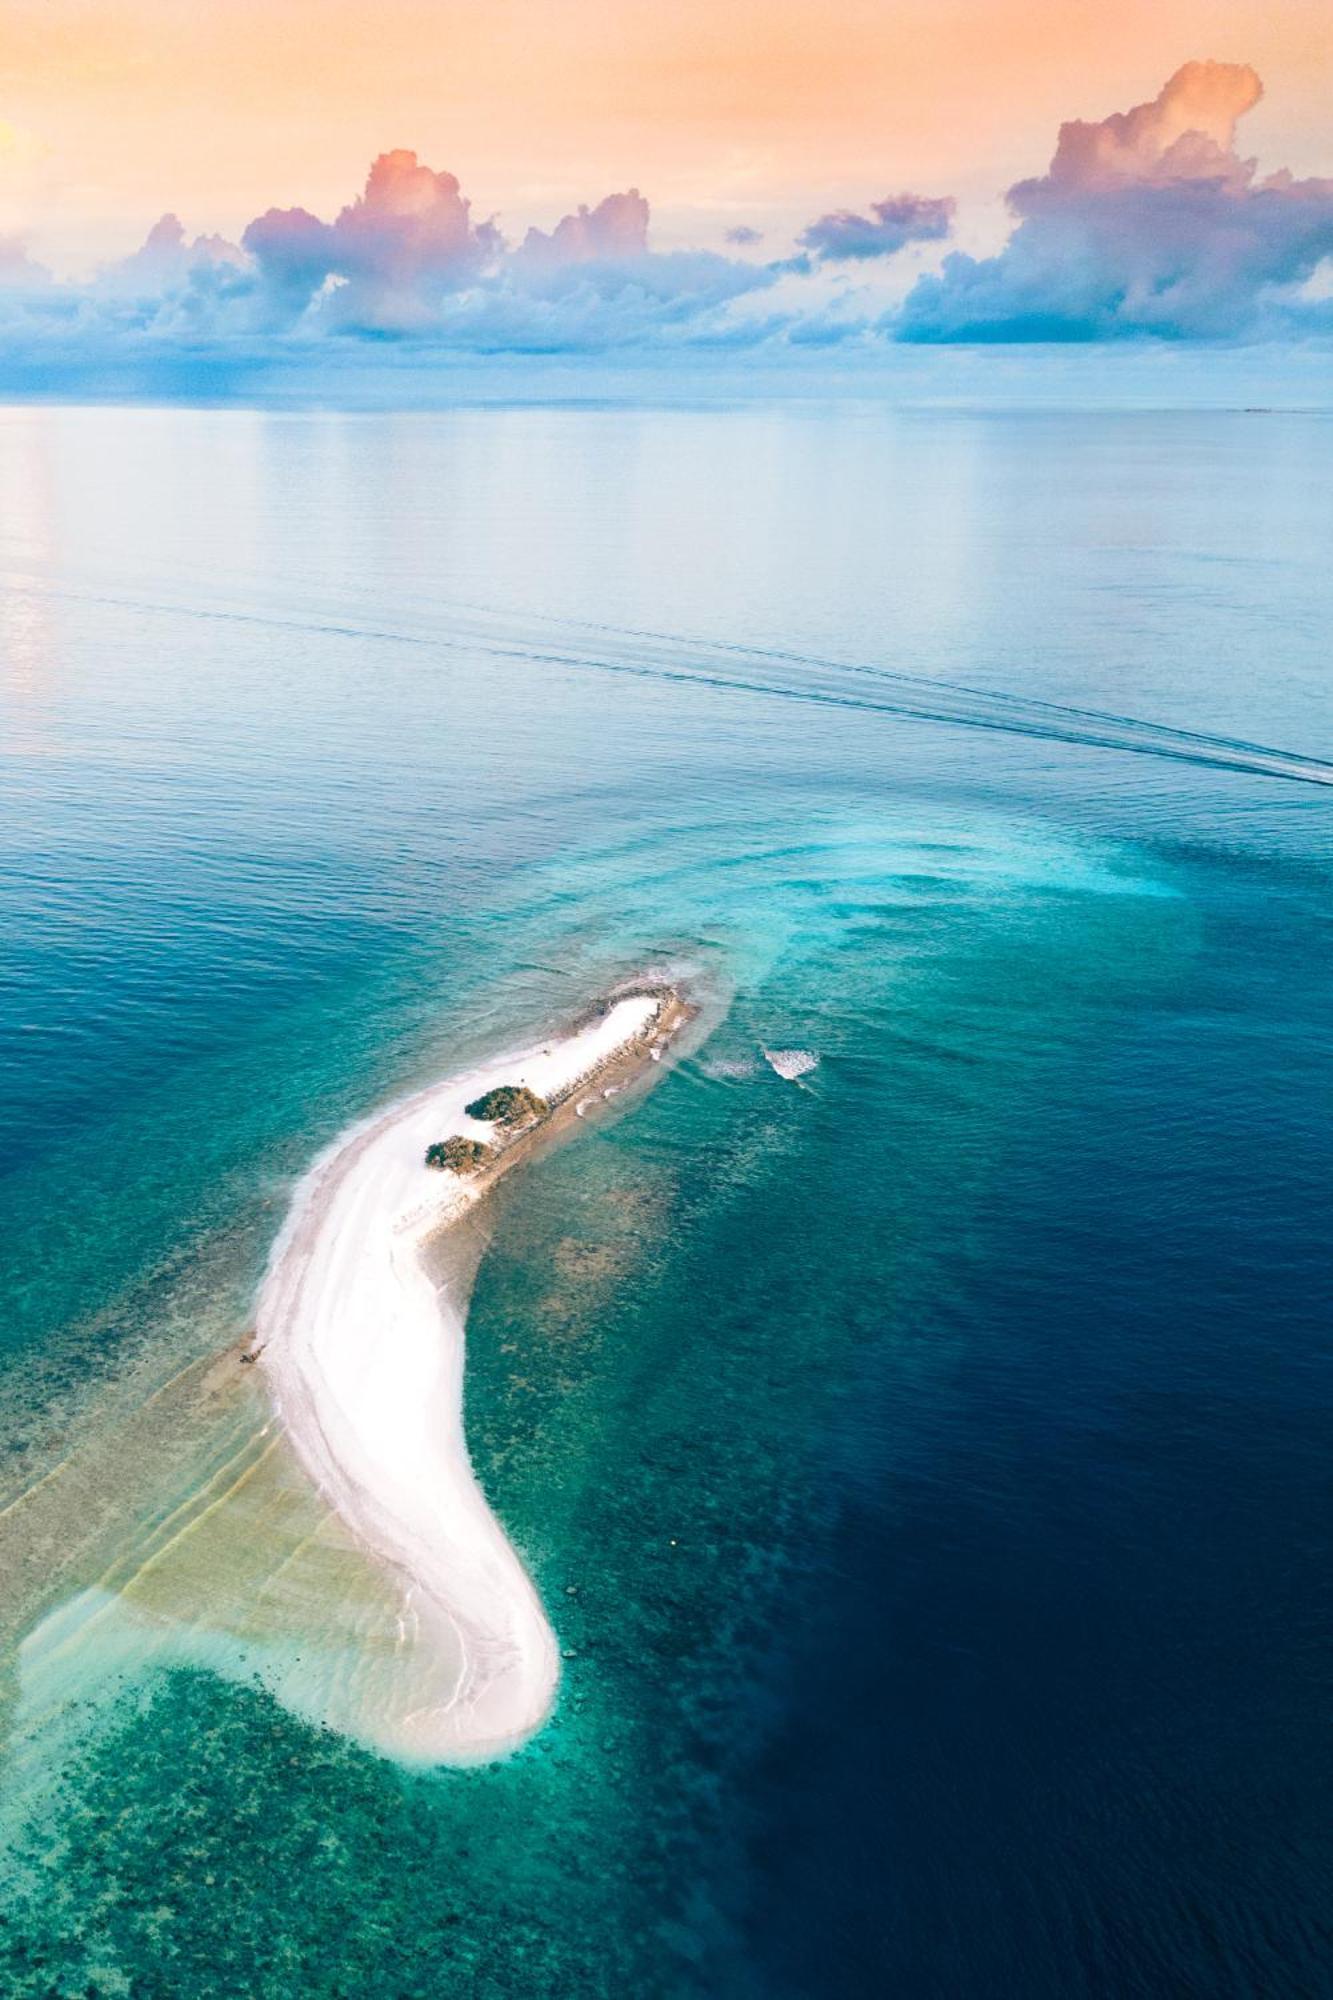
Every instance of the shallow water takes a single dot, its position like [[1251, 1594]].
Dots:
[[924, 1459]]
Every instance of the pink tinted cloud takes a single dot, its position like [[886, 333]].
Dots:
[[1186, 133], [893, 223], [393, 253], [407, 258], [613, 232], [1147, 222]]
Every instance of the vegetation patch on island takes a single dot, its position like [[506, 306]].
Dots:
[[457, 1155], [508, 1104]]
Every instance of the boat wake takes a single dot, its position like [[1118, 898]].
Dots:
[[772, 674]]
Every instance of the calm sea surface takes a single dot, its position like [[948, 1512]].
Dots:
[[927, 1467]]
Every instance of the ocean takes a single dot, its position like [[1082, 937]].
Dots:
[[924, 1462]]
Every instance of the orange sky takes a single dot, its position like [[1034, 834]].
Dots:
[[722, 111]]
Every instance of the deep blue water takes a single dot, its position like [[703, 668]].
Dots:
[[926, 1467]]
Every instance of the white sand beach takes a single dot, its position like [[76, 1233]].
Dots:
[[364, 1356]]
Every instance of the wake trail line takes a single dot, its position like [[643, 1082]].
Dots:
[[646, 655]]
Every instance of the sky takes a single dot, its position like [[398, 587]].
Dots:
[[561, 174], [723, 112]]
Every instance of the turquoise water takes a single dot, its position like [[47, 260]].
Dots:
[[924, 1465]]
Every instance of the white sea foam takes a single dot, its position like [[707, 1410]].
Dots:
[[791, 1063], [727, 1068]]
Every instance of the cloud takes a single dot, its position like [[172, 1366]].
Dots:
[[166, 259], [18, 271], [614, 231], [891, 225], [387, 261], [405, 261], [652, 301], [1187, 133], [593, 281], [1147, 222], [294, 255]]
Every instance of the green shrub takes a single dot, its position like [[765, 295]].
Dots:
[[508, 1104], [461, 1156]]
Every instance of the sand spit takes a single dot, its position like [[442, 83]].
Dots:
[[364, 1356]]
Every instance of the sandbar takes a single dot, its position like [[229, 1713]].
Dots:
[[363, 1353]]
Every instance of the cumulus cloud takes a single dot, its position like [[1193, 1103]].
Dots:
[[387, 260], [406, 258], [404, 261], [891, 225], [615, 230], [166, 259], [1187, 133], [594, 281], [1147, 222], [675, 301]]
